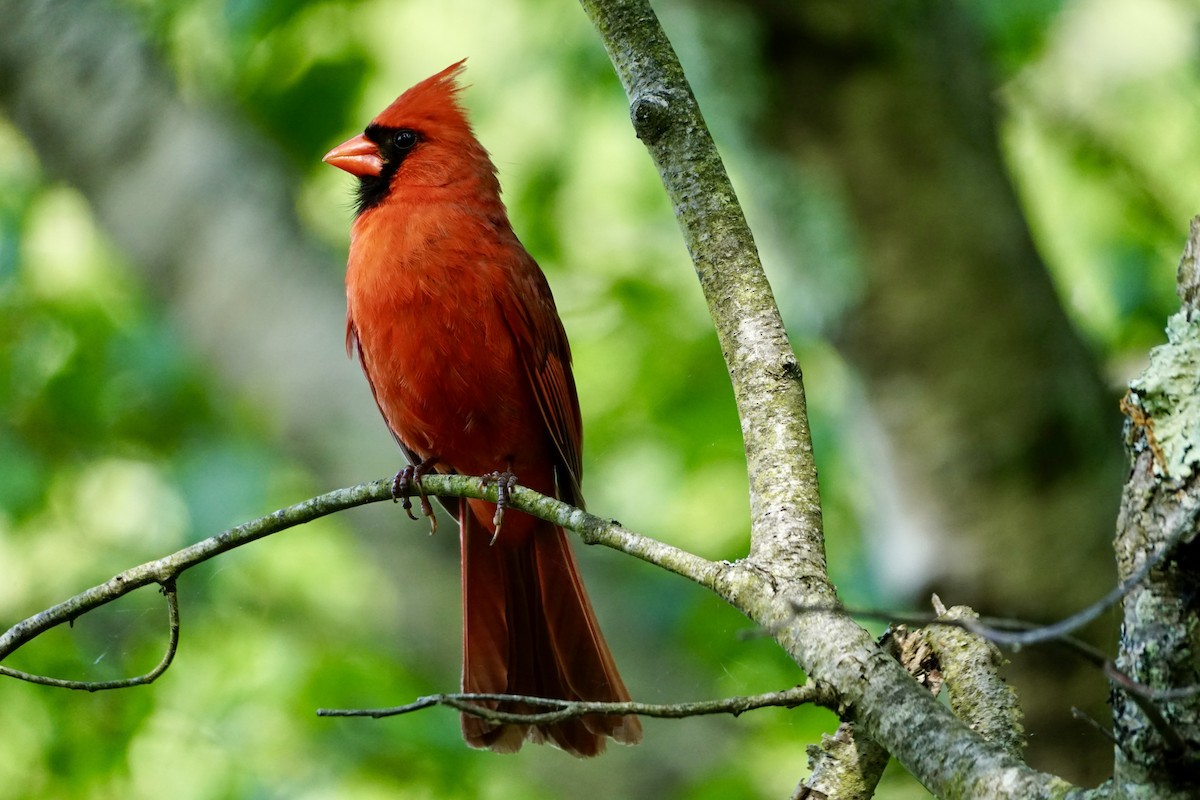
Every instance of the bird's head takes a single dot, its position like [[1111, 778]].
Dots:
[[423, 139]]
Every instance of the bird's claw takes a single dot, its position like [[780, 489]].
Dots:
[[505, 481], [405, 480]]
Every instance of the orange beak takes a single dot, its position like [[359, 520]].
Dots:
[[358, 156]]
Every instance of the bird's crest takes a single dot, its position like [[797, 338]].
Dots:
[[433, 100]]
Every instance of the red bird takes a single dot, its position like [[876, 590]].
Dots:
[[458, 335]]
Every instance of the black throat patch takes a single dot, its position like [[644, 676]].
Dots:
[[395, 145]]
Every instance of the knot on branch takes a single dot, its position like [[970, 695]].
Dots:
[[1187, 278], [648, 111]]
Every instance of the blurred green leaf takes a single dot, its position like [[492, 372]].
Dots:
[[307, 114]]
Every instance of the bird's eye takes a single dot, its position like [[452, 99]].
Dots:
[[405, 139]]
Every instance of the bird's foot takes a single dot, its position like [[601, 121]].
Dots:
[[505, 481], [404, 482]]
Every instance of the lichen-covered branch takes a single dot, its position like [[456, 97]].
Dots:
[[844, 766], [165, 570], [767, 382], [1158, 752], [786, 565], [970, 666]]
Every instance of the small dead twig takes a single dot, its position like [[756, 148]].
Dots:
[[468, 703], [168, 589]]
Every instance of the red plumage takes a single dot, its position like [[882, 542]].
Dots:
[[460, 340]]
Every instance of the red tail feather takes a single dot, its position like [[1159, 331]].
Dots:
[[529, 629]]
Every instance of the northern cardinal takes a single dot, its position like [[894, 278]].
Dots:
[[463, 348]]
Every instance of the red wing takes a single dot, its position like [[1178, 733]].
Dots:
[[545, 354], [554, 387]]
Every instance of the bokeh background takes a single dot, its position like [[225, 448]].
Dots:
[[970, 212]]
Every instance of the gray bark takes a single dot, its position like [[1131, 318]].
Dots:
[[1158, 752]]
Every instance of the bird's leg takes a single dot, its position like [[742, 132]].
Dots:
[[407, 478], [505, 481]]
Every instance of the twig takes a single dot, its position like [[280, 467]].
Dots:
[[1140, 695], [566, 709], [1088, 720], [1058, 630], [1017, 634], [168, 589], [164, 571], [921, 619]]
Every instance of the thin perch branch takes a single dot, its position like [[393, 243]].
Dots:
[[566, 709], [165, 570]]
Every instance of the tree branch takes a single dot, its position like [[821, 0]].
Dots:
[[970, 666], [566, 709], [1159, 744], [165, 570], [844, 767], [785, 503], [787, 561], [849, 764]]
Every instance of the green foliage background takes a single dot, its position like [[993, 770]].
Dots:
[[119, 445]]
